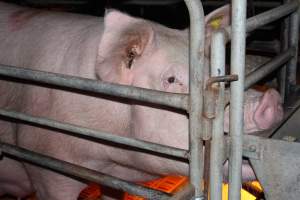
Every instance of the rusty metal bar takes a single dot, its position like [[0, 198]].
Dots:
[[81, 131], [196, 64], [151, 96], [79, 171]]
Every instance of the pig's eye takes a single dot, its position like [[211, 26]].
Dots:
[[171, 79]]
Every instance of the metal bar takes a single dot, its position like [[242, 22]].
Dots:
[[217, 143], [267, 17], [79, 171], [271, 15], [272, 47], [196, 63], [185, 193], [261, 4], [268, 68], [223, 78], [238, 46], [283, 47], [57, 2], [163, 98], [81, 131], [293, 42]]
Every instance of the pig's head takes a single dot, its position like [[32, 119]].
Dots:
[[140, 53]]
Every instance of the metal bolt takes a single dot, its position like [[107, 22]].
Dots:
[[289, 138], [252, 148]]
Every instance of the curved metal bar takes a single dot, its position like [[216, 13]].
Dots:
[[196, 63]]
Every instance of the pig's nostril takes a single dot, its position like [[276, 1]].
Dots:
[[171, 79]]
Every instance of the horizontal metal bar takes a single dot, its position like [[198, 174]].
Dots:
[[225, 78], [81, 131], [268, 68], [79, 171], [58, 2], [250, 150], [269, 16], [264, 46], [146, 95], [260, 4]]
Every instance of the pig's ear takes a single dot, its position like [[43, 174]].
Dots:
[[269, 111], [217, 19], [124, 40]]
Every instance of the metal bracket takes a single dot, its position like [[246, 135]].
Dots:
[[218, 79], [210, 93], [251, 148], [210, 96]]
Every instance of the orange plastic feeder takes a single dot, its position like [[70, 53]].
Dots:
[[91, 192], [168, 184]]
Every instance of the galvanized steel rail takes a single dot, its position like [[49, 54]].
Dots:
[[82, 131], [292, 42], [78, 171], [238, 46], [269, 67], [218, 43], [196, 64], [268, 17], [151, 96]]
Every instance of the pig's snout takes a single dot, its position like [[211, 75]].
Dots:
[[269, 111], [261, 111]]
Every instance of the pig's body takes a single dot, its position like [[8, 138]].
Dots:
[[126, 51], [73, 42]]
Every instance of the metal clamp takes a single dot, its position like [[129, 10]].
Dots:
[[210, 96]]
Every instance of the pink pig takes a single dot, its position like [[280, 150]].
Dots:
[[118, 49]]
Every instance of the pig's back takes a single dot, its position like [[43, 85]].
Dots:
[[49, 41]]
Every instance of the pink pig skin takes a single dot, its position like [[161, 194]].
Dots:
[[118, 49]]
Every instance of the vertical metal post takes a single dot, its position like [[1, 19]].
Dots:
[[196, 62], [283, 47], [237, 96], [217, 142], [293, 42]]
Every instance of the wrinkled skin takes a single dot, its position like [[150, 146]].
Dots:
[[121, 49]]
